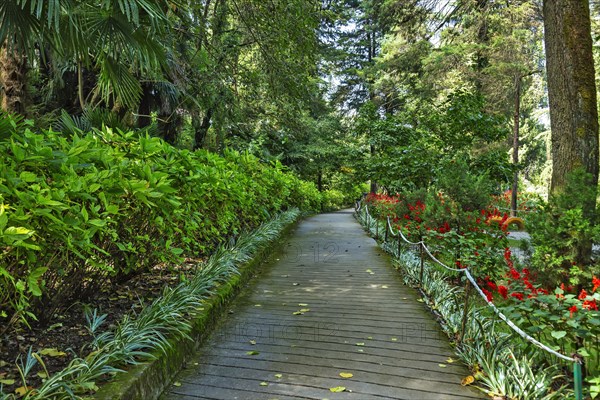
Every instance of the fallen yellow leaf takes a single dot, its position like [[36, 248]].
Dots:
[[450, 360], [52, 353], [468, 380], [346, 375], [278, 376], [22, 391], [302, 304], [177, 384], [252, 353], [360, 344], [442, 365], [337, 389], [264, 384], [305, 310]]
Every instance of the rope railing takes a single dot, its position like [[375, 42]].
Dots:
[[472, 281]]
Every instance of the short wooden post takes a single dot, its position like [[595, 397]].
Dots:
[[422, 251], [376, 229], [387, 228]]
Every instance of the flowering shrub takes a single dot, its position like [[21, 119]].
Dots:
[[444, 224], [565, 319]]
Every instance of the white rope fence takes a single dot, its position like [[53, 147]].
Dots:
[[472, 280]]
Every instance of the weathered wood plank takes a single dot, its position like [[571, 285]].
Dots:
[[356, 317]]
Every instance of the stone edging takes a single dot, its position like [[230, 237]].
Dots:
[[148, 380]]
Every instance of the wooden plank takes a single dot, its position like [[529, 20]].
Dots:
[[360, 319]]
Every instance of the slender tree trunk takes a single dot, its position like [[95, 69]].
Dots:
[[483, 39], [80, 83], [320, 180], [373, 183], [13, 70], [517, 118], [202, 131], [370, 56], [573, 104]]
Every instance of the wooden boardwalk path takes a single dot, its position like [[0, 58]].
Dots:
[[331, 303]]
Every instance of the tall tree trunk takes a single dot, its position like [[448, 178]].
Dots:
[[483, 39], [516, 123], [13, 70], [573, 104]]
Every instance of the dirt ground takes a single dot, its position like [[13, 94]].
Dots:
[[66, 336]]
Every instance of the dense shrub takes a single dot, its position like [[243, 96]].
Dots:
[[333, 200], [79, 211]]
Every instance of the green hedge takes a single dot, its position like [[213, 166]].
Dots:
[[79, 212]]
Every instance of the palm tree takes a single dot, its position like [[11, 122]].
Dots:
[[23, 24], [113, 41]]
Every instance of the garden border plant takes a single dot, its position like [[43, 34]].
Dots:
[[485, 346], [157, 340], [83, 211]]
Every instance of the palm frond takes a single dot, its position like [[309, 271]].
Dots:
[[116, 82]]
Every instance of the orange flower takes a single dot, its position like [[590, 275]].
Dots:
[[596, 283]]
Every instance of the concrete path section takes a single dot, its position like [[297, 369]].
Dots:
[[330, 304]]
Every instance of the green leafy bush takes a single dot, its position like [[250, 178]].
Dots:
[[333, 200], [562, 235], [82, 210]]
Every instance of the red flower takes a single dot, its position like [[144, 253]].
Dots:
[[582, 295], [590, 305], [488, 295], [529, 285], [503, 290], [596, 283], [515, 274], [572, 311], [507, 258], [517, 295]]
